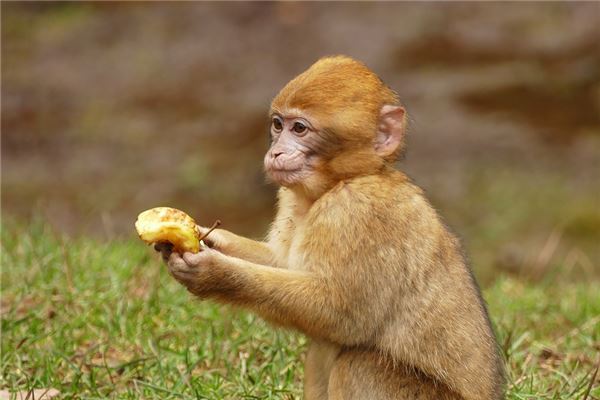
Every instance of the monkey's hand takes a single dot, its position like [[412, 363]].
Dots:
[[218, 239], [198, 272], [237, 246]]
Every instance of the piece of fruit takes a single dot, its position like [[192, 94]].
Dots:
[[165, 224]]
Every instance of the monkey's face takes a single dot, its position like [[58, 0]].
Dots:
[[305, 153], [334, 121], [297, 146]]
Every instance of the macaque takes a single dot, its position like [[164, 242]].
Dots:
[[356, 258]]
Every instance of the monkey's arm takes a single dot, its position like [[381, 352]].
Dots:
[[238, 246], [320, 306]]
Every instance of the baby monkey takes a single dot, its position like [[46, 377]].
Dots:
[[356, 258]]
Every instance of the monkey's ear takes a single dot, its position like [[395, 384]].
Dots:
[[390, 130]]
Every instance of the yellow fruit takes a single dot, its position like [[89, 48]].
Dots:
[[165, 224]]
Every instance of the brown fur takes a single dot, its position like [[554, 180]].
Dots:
[[345, 97], [365, 266]]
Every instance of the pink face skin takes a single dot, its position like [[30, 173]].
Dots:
[[298, 145], [295, 143]]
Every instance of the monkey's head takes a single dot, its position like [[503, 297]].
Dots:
[[334, 121]]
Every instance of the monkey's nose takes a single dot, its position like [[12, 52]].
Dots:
[[277, 154]]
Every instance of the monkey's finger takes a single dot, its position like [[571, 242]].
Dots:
[[160, 246], [183, 276], [197, 259], [212, 239], [176, 263], [165, 249], [165, 255]]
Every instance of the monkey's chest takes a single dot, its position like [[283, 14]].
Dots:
[[296, 254]]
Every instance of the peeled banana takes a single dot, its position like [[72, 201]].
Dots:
[[165, 224]]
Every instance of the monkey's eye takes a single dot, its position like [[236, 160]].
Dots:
[[299, 127], [277, 124]]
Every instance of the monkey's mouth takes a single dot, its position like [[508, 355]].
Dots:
[[284, 170], [286, 177]]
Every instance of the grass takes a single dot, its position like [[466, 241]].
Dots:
[[104, 320]]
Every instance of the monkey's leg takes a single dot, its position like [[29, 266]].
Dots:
[[366, 375], [319, 360]]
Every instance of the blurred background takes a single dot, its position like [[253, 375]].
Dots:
[[112, 108]]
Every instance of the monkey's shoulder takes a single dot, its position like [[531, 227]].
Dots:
[[386, 193], [389, 204]]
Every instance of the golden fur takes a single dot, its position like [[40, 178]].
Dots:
[[360, 262]]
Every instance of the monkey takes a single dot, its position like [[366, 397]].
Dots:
[[356, 258]]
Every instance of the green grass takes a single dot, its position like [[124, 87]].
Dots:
[[104, 320]]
